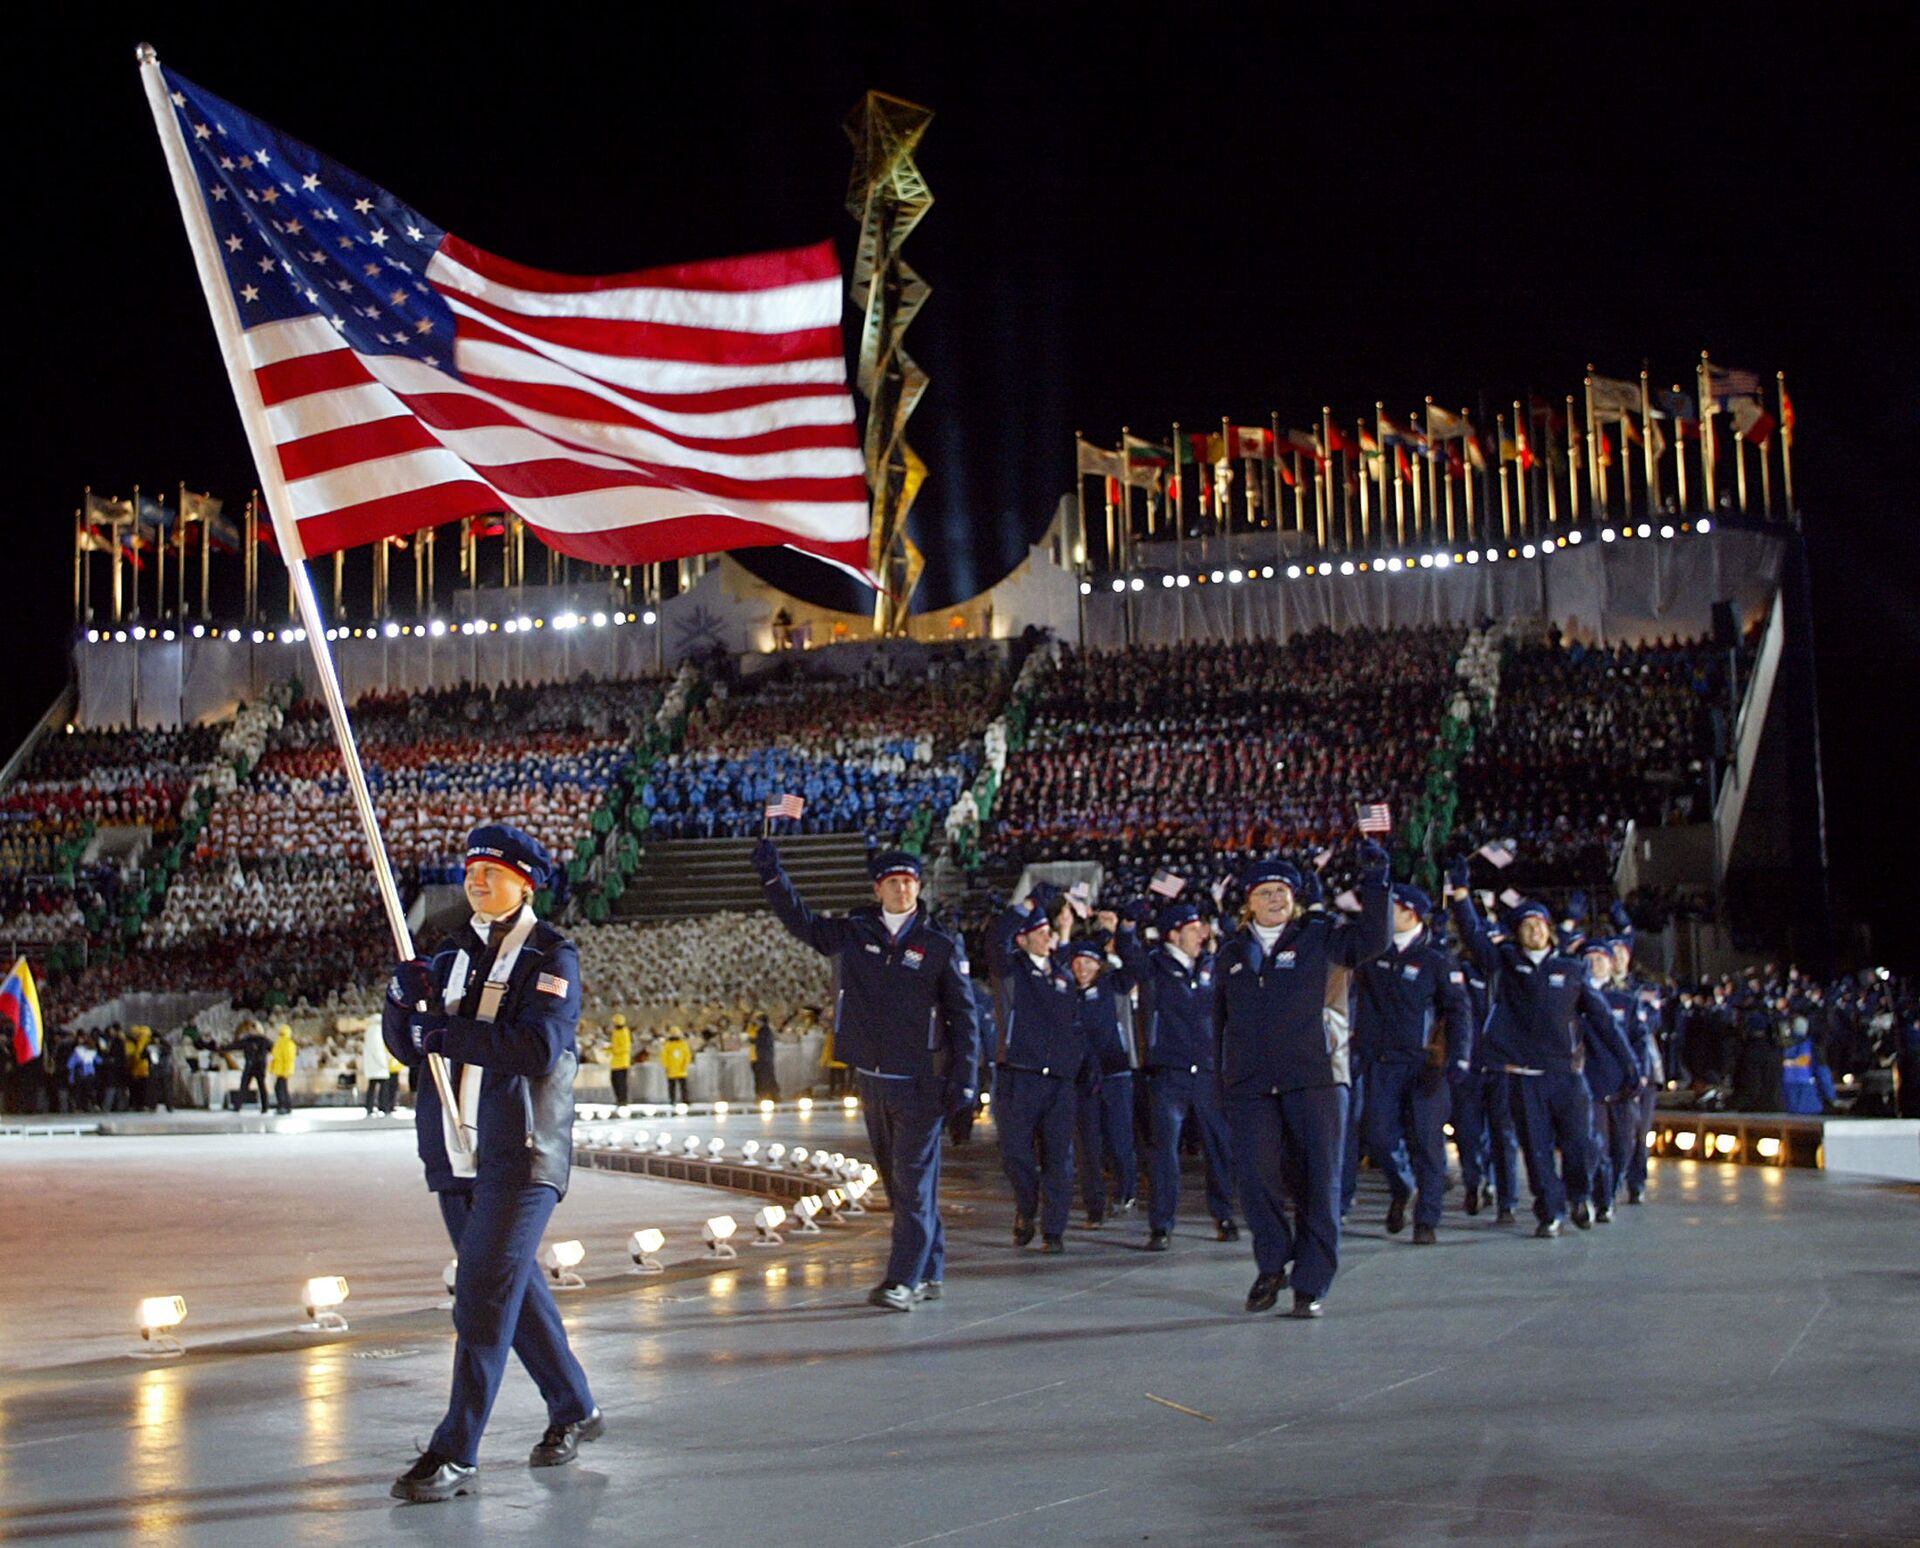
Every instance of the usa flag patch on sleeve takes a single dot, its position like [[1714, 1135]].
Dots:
[[551, 983]]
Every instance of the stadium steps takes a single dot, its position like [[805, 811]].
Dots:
[[682, 878]]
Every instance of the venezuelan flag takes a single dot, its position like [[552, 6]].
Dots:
[[20, 1005]]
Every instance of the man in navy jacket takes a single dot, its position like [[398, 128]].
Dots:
[[1042, 1049], [1284, 1070], [501, 1002], [1539, 994], [1404, 995], [904, 1023], [1179, 1058], [1104, 1101]]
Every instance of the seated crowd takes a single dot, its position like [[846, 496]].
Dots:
[[1186, 757], [865, 758], [1585, 740]]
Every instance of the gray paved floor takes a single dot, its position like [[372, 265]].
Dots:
[[1734, 1363]]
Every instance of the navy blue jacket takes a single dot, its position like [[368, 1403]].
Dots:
[[1106, 1021], [1397, 997], [1270, 1014], [1606, 1076], [1039, 1009], [905, 1005], [1536, 1004], [1176, 1006], [529, 1054]]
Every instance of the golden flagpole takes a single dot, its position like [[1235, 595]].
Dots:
[[1597, 491], [1709, 451], [1786, 440]]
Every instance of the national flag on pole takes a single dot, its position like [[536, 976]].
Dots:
[[1725, 384], [1145, 462], [1096, 460], [1443, 425], [1613, 398], [787, 806], [1167, 884], [1786, 416], [20, 1008], [1375, 817], [1338, 440], [1751, 422], [1251, 441], [1307, 443], [409, 378], [1369, 443], [1498, 855]]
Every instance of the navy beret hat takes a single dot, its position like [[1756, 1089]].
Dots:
[[517, 851], [1264, 871], [894, 862]]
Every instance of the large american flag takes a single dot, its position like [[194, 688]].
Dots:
[[410, 378], [787, 806], [1375, 817]]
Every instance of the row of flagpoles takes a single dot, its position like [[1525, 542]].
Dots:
[[1620, 448], [144, 536]]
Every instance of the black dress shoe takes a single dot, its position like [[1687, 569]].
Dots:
[[1632, 1196], [1424, 1236], [1475, 1200], [560, 1444], [433, 1478], [1505, 1217], [1305, 1306], [1226, 1231], [1604, 1214], [1583, 1215], [1052, 1244], [1547, 1229], [1022, 1230], [1096, 1218], [1396, 1217], [1265, 1293], [1158, 1241]]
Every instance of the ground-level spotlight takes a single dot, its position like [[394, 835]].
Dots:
[[718, 1235], [641, 1138], [450, 1275], [851, 1103], [158, 1316], [804, 1212], [777, 1156], [833, 1202], [766, 1107], [766, 1225], [560, 1259], [692, 1145], [1768, 1147], [663, 1143], [750, 1152], [644, 1248], [1683, 1141], [680, 1109], [716, 1148], [798, 1157], [322, 1298], [856, 1190], [720, 1109], [805, 1104]]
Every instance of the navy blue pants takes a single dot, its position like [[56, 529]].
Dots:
[[1552, 1112], [1637, 1167], [1615, 1122], [1483, 1133], [1104, 1120], [1170, 1093], [1406, 1120], [1357, 1100], [1034, 1114], [500, 1303], [904, 1122], [1289, 1148]]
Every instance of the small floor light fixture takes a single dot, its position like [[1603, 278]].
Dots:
[[644, 1248], [718, 1235], [804, 1211], [797, 1157], [642, 1138], [750, 1152], [663, 1143], [159, 1315], [716, 1148], [693, 1145], [805, 1104], [560, 1259], [777, 1156], [766, 1225], [766, 1107], [322, 1298]]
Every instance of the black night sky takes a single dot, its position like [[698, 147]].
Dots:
[[1143, 214]]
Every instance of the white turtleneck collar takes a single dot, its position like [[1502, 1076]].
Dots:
[[483, 923], [1266, 936], [896, 922], [1402, 939], [1540, 956], [1179, 956]]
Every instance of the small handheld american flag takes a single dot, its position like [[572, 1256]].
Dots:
[[1375, 817], [787, 806], [1499, 855], [1167, 884]]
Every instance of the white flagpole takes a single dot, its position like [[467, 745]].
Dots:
[[253, 418]]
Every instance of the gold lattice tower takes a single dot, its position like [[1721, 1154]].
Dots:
[[887, 195]]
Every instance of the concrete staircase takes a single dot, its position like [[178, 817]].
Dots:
[[683, 878]]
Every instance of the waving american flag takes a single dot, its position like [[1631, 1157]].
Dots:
[[409, 378]]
